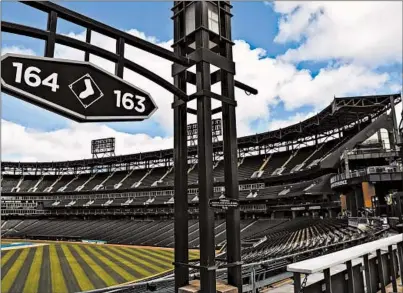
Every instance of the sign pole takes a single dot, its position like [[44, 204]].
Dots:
[[181, 215], [205, 156], [197, 25], [231, 160]]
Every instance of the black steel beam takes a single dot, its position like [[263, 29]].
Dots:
[[297, 282], [120, 51], [106, 30], [23, 30], [230, 159], [350, 273], [192, 111], [216, 110], [216, 77], [380, 270], [205, 54], [205, 155], [392, 266], [87, 40], [51, 40], [367, 272], [400, 259], [246, 88], [181, 214], [328, 281], [210, 94]]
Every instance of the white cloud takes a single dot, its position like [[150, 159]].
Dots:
[[71, 143], [364, 32], [17, 50], [296, 118], [301, 89]]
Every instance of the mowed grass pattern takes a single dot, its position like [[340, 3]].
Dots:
[[68, 267]]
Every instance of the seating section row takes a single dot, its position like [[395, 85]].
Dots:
[[275, 237], [136, 232], [298, 235], [320, 185], [259, 166]]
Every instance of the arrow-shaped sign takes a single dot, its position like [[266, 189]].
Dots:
[[78, 90]]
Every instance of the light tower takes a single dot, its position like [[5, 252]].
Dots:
[[202, 33]]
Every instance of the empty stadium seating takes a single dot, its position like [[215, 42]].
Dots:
[[8, 183], [261, 238], [267, 193], [132, 178], [249, 165], [273, 164], [295, 236], [136, 232]]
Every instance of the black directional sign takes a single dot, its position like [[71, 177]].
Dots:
[[78, 90], [224, 203]]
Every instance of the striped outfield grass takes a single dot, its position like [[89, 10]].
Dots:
[[74, 267]]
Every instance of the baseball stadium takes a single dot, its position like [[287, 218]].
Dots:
[[329, 187]]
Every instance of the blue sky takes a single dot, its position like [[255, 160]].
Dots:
[[309, 81]]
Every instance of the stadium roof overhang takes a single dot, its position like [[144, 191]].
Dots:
[[341, 112]]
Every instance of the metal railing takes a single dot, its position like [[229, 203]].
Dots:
[[367, 258], [366, 171]]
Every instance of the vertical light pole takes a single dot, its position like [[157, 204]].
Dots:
[[203, 34]]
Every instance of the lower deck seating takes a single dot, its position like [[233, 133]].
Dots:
[[120, 231], [297, 236], [261, 238]]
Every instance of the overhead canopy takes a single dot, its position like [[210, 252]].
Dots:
[[342, 111]]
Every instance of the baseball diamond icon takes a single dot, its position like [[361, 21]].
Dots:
[[86, 90]]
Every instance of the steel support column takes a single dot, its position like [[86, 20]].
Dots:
[[51, 39], [196, 39], [350, 273], [392, 266], [400, 259], [380, 270], [297, 282], [181, 198], [367, 272], [231, 161], [328, 280], [180, 179], [205, 155], [396, 137]]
